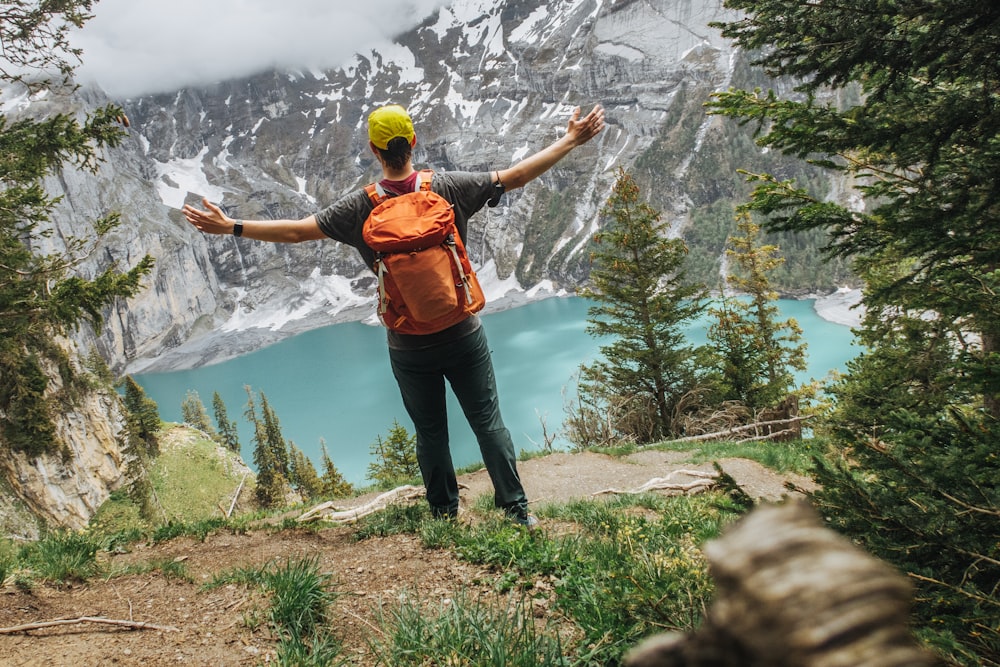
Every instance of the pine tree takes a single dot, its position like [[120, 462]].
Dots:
[[271, 482], [27, 422], [98, 368], [304, 478], [334, 484], [642, 304], [143, 418], [194, 414], [275, 438], [142, 426], [36, 41], [916, 479], [43, 295], [228, 434], [757, 352], [395, 458]]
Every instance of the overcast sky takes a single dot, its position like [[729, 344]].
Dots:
[[132, 47]]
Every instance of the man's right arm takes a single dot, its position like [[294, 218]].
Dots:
[[211, 220]]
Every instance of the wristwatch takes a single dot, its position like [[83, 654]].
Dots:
[[498, 190], [238, 228]]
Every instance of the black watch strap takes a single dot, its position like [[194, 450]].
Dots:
[[498, 190]]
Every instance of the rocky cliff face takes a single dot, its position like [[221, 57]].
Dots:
[[64, 489]]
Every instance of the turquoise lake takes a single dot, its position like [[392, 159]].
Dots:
[[335, 384]]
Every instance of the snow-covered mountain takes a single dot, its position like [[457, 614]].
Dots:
[[487, 84]]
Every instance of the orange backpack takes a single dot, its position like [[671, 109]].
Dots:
[[425, 281]]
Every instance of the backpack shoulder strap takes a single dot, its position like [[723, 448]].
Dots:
[[424, 177], [376, 193]]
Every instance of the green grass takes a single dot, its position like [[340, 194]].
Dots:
[[500, 543], [298, 612], [118, 522], [191, 480], [792, 456], [393, 520], [640, 571], [201, 529], [300, 598], [62, 556], [464, 631], [632, 567]]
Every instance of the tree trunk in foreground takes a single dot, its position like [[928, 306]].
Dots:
[[793, 593]]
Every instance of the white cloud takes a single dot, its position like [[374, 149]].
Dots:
[[134, 47]]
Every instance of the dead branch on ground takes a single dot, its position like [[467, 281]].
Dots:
[[132, 625], [774, 435], [236, 497], [705, 480]]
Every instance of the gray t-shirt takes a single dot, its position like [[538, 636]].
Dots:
[[466, 191]]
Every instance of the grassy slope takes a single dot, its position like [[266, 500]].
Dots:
[[193, 479]]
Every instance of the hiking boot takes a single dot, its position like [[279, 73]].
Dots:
[[444, 513]]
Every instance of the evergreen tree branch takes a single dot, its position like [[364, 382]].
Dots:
[[957, 589]]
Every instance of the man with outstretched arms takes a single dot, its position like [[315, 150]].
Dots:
[[459, 354]]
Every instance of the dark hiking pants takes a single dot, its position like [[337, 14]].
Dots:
[[467, 365]]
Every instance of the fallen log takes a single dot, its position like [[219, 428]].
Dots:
[[328, 511], [132, 625], [775, 435], [736, 430], [792, 593]]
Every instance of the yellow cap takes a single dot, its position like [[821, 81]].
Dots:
[[387, 123]]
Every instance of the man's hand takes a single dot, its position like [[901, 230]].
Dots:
[[211, 221], [581, 130]]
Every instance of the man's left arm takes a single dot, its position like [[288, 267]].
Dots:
[[578, 132]]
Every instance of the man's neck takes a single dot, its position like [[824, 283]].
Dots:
[[397, 174]]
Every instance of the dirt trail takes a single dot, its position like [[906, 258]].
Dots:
[[213, 628]]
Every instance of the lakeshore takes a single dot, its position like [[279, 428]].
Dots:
[[840, 307]]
